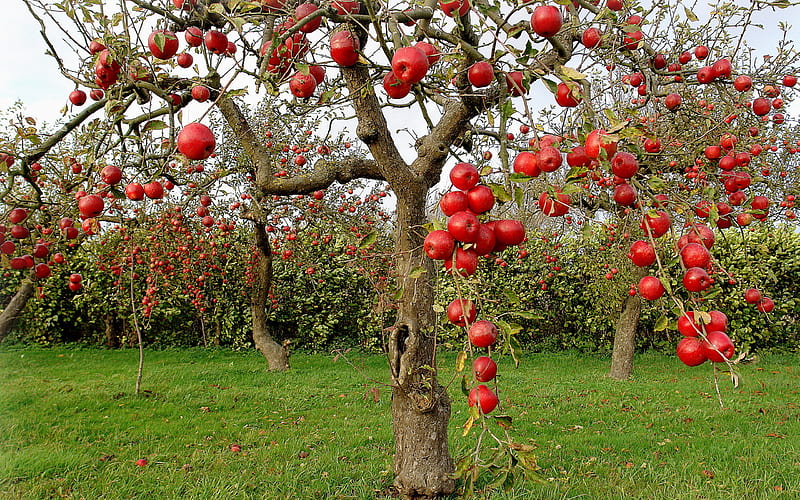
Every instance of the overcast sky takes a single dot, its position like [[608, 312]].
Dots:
[[30, 76]]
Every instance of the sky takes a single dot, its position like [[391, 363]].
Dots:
[[30, 76]]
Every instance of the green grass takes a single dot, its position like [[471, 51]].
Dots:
[[72, 428]]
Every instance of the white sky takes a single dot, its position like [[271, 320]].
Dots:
[[27, 74], [30, 76]]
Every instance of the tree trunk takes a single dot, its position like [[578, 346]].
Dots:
[[8, 318], [112, 331], [420, 406], [277, 356], [625, 339]]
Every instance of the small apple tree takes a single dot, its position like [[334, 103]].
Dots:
[[415, 84]]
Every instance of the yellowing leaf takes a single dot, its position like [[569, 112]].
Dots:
[[461, 361]]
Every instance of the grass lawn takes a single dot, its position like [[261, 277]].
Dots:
[[72, 428]]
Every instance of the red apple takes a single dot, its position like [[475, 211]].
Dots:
[[752, 295], [546, 20], [591, 37], [453, 202], [302, 85], [430, 50], [484, 368], [184, 60], [193, 36], [695, 255], [484, 397], [464, 176], [466, 262], [410, 64], [672, 101], [344, 48], [463, 226], [480, 199], [77, 97], [690, 351], [486, 241], [718, 347], [111, 174], [743, 83], [17, 215], [163, 44], [90, 206], [651, 288], [439, 245], [624, 164], [656, 224], [527, 163], [515, 80], [625, 195], [696, 279], [483, 333], [200, 93], [461, 311], [548, 159], [554, 208], [642, 253], [304, 10], [449, 7], [154, 190], [567, 97], [395, 88], [480, 74], [599, 139], [216, 42], [196, 141], [765, 305], [134, 191], [509, 232]]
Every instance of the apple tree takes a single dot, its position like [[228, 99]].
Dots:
[[415, 84]]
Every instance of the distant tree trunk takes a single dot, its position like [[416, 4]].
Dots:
[[9, 316], [625, 338], [277, 356], [112, 331], [420, 406]]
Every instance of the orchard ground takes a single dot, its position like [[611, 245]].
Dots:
[[72, 427]]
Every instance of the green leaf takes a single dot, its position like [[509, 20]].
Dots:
[[551, 85], [517, 177], [216, 8], [499, 192], [526, 315], [661, 323], [511, 296], [689, 14], [236, 93], [368, 240], [238, 23], [155, 125], [465, 387], [656, 184]]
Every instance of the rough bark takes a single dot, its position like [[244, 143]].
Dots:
[[420, 406], [277, 356], [9, 316], [625, 339], [112, 331]]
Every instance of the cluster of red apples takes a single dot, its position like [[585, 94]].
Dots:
[[459, 246]]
